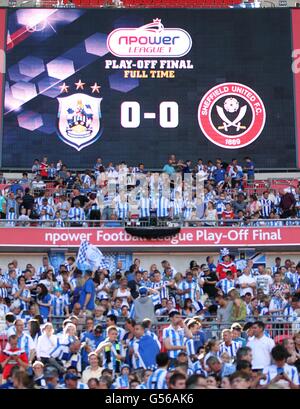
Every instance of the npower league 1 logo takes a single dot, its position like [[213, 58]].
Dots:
[[150, 40]]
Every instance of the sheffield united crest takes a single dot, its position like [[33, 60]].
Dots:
[[231, 115], [79, 120]]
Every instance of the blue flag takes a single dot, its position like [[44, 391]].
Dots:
[[148, 349]]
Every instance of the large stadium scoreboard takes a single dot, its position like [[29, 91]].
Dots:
[[139, 84]]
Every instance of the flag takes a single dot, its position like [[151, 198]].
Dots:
[[148, 349], [90, 257]]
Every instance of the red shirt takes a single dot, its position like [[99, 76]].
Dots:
[[44, 169], [222, 268], [12, 361], [228, 215]]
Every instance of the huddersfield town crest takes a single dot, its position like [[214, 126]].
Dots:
[[79, 120]]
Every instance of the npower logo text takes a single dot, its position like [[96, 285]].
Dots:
[[150, 40]]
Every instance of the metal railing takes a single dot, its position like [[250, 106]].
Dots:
[[278, 327], [151, 222]]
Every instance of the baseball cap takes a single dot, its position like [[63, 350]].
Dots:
[[205, 267], [230, 289], [37, 363], [236, 325], [143, 291], [71, 376]]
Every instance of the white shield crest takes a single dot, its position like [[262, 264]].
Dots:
[[79, 120]]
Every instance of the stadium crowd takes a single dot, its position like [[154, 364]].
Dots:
[[217, 325], [56, 197]]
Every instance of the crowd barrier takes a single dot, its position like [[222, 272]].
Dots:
[[278, 328], [152, 221]]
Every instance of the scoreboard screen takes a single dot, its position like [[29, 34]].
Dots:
[[140, 84]]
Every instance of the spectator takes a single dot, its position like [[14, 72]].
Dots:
[[261, 347], [43, 300], [225, 309], [143, 307], [177, 381], [240, 380], [92, 371], [287, 205], [174, 334], [38, 377], [111, 351], [12, 356], [46, 343], [87, 295], [280, 372]]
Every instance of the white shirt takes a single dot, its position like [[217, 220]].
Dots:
[[264, 281], [88, 373], [261, 350], [246, 279], [45, 345]]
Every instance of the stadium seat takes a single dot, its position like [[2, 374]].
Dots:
[[279, 338]]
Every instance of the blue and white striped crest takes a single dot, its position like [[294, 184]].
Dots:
[[79, 120]]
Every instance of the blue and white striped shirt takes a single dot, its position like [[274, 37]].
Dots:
[[58, 305], [193, 288], [220, 207], [163, 292], [225, 284], [11, 216], [62, 352], [44, 218], [3, 309], [157, 379], [176, 338], [189, 206], [276, 304], [51, 172], [177, 206], [230, 349], [197, 369], [266, 207], [26, 294], [289, 313], [163, 206], [144, 207], [59, 223], [76, 213], [86, 179], [122, 382], [292, 278], [115, 349], [122, 210], [3, 290], [26, 343], [272, 371]]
